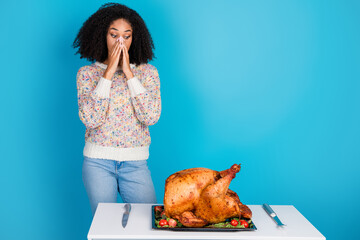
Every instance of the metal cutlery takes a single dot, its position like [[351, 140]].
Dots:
[[126, 214], [272, 214]]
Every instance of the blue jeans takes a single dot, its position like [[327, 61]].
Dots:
[[104, 178]]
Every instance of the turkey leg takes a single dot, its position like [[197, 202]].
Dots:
[[234, 168], [215, 204]]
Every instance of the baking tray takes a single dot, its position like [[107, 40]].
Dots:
[[203, 229]]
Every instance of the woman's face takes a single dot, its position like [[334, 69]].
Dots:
[[119, 27]]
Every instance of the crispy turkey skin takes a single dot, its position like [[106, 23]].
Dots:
[[199, 196]]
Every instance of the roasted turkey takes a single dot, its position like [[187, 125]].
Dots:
[[201, 196]]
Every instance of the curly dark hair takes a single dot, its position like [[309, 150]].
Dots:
[[91, 39]]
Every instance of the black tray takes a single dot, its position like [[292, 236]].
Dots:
[[203, 229]]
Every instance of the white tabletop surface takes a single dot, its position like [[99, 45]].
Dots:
[[106, 224]]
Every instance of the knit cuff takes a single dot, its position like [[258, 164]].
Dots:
[[103, 88], [135, 86]]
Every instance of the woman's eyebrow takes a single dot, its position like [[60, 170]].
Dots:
[[118, 30]]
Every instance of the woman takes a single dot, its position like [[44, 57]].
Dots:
[[118, 98]]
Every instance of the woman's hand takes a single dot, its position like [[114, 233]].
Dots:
[[114, 58], [126, 63]]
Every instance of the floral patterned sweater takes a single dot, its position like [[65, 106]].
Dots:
[[117, 112]]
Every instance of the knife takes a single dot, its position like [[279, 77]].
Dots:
[[272, 214], [126, 214]]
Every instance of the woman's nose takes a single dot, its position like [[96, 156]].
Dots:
[[120, 39]]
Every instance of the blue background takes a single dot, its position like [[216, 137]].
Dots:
[[273, 85]]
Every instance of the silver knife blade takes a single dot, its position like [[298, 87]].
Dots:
[[272, 214], [126, 214]]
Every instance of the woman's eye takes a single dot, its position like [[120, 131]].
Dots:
[[114, 36]]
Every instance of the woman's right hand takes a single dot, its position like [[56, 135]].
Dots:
[[114, 58]]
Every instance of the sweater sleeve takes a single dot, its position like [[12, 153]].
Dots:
[[146, 97], [93, 99]]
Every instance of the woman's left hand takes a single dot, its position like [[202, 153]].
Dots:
[[126, 63]]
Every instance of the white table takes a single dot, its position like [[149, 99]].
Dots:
[[107, 225]]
